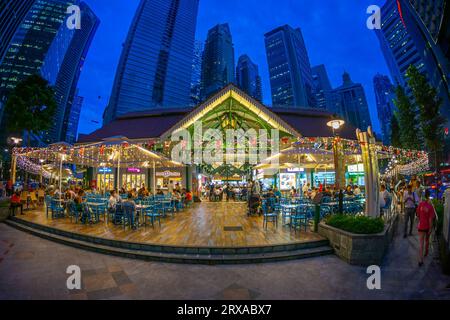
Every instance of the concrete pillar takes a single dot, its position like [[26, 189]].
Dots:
[[188, 184], [13, 168], [339, 163], [370, 161]]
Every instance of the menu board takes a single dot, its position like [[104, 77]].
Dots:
[[287, 181]]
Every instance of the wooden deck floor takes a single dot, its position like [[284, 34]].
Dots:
[[204, 224]]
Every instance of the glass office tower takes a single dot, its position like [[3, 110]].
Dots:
[[218, 60], [155, 67], [289, 68]]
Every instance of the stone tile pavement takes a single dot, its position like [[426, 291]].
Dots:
[[34, 268]]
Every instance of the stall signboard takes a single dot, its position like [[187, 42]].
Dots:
[[167, 174], [105, 170], [295, 170], [320, 177], [356, 168], [287, 181], [134, 170]]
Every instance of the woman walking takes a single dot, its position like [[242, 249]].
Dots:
[[426, 215]]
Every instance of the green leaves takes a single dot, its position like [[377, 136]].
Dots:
[[408, 123], [395, 132], [356, 224], [429, 103], [31, 105]]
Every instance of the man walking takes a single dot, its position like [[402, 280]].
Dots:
[[410, 201]]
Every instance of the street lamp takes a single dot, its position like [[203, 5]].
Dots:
[[336, 123]]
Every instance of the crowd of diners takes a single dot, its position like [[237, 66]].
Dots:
[[33, 195], [240, 192]]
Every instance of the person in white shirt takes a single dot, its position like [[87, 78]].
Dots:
[[113, 200], [357, 191], [384, 198], [410, 201], [170, 187]]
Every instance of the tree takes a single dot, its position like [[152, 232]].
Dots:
[[406, 116], [431, 121], [31, 106], [395, 132]]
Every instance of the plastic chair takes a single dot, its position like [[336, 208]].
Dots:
[[153, 214], [269, 215], [58, 210]]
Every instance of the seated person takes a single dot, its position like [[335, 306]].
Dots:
[[129, 203], [176, 198], [16, 203], [188, 197], [113, 200]]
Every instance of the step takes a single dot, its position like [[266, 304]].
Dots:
[[203, 250], [178, 257]]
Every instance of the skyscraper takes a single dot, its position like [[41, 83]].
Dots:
[[384, 96], [424, 21], [247, 77], [71, 124], [398, 47], [218, 60], [353, 103], [196, 78], [30, 44], [322, 86], [289, 68], [155, 67], [12, 13], [62, 68]]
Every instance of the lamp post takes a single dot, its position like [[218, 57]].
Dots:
[[15, 141], [339, 158]]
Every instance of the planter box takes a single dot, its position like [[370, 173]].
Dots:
[[4, 213], [359, 249]]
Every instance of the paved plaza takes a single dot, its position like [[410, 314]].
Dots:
[[34, 268]]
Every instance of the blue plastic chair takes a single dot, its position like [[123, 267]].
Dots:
[[269, 215]]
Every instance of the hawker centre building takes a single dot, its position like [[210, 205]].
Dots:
[[297, 148]]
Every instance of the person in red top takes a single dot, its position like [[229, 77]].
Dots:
[[16, 203], [426, 214]]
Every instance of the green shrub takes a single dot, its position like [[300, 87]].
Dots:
[[4, 202], [439, 207], [356, 224]]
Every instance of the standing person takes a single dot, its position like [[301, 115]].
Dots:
[[410, 201], [9, 188], [426, 214], [384, 198], [419, 190], [170, 187]]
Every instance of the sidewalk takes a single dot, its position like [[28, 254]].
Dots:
[[34, 268]]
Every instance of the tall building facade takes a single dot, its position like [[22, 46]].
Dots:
[[353, 103], [29, 46], [247, 77], [424, 21], [12, 13], [218, 65], [322, 87], [155, 67], [196, 78], [384, 96], [397, 45], [73, 118], [62, 68], [289, 68]]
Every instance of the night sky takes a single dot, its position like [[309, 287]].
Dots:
[[335, 33]]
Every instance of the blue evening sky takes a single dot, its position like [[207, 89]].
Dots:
[[335, 33]]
